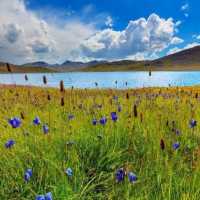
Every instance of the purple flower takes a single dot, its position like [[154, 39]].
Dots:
[[94, 122], [178, 132], [15, 122], [48, 196], [115, 98], [176, 145], [69, 172], [70, 117], [119, 108], [28, 174], [103, 121], [193, 123], [37, 121], [120, 175], [114, 116], [9, 143], [40, 197], [45, 129], [132, 177]]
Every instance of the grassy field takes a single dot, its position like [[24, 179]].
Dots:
[[148, 150]]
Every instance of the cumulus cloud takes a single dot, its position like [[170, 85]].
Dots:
[[24, 36], [141, 36], [109, 21], [177, 40]]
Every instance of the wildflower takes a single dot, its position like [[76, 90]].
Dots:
[[162, 144], [48, 196], [69, 172], [103, 121], [120, 174], [70, 117], [176, 145], [177, 132], [37, 121], [40, 197], [15, 122], [45, 129], [114, 116], [193, 123], [119, 108], [28, 174], [132, 177], [9, 143], [115, 98], [94, 122]]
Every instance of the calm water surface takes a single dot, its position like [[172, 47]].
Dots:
[[106, 79]]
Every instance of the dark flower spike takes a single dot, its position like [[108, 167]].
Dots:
[[119, 108], [9, 144], [114, 116], [162, 144], [132, 177], [15, 122], [135, 111], [120, 175]]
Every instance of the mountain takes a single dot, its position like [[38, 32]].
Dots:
[[188, 59]]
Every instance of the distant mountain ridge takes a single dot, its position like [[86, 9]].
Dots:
[[188, 59]]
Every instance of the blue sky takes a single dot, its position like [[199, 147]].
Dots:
[[86, 30]]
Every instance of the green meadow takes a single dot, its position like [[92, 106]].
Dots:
[[149, 123]]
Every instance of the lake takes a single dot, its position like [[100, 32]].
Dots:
[[106, 79]]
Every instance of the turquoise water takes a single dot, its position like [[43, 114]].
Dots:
[[106, 79]]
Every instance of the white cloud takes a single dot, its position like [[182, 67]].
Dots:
[[25, 37], [150, 36], [198, 37], [176, 40], [109, 21], [188, 46], [185, 7]]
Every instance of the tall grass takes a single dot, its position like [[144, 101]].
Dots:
[[96, 152]]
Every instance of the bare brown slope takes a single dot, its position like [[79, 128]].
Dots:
[[23, 69]]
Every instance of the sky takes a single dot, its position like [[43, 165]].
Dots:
[[83, 30]]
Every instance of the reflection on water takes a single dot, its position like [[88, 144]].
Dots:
[[105, 79]]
